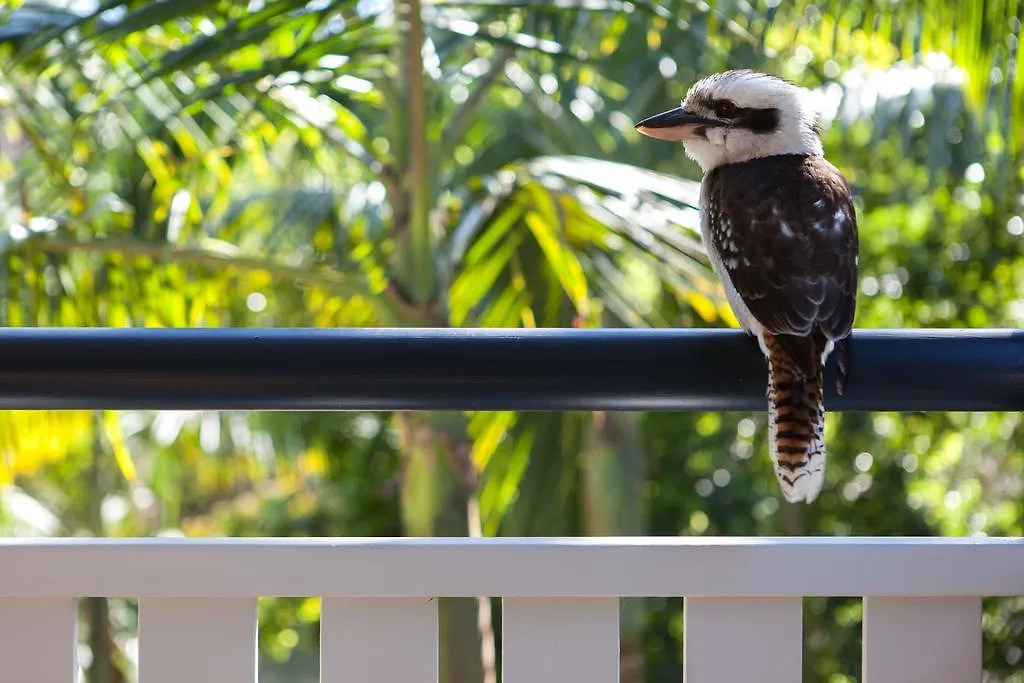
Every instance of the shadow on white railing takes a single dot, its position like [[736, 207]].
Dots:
[[197, 621]]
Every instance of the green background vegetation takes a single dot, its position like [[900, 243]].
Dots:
[[459, 163]]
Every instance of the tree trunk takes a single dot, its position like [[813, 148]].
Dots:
[[612, 471], [436, 495], [97, 609], [416, 255], [438, 482]]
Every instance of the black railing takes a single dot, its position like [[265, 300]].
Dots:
[[441, 369]]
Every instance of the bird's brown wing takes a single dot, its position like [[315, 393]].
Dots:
[[786, 231]]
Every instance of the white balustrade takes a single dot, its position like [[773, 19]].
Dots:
[[922, 614]]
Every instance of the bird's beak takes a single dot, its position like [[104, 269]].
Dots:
[[675, 125]]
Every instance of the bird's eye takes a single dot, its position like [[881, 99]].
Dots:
[[726, 109]]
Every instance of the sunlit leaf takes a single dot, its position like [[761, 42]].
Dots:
[[115, 437], [566, 266]]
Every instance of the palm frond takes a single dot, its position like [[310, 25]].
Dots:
[[602, 213]]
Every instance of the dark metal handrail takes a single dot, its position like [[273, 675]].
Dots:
[[467, 369]]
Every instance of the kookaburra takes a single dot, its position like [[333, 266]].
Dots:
[[778, 223]]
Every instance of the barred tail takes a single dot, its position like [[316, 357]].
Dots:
[[796, 414]]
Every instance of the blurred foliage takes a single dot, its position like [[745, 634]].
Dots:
[[181, 163]]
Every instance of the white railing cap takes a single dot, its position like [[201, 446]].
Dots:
[[408, 567]]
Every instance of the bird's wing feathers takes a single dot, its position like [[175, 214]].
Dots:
[[786, 232]]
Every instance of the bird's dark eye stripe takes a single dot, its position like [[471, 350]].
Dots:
[[756, 120], [726, 109], [759, 120]]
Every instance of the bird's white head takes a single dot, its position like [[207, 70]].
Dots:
[[736, 116]]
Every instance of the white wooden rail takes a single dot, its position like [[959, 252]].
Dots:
[[922, 614]]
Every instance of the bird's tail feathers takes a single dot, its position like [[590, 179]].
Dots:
[[796, 414]]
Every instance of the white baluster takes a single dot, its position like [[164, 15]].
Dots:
[[742, 639], [37, 640], [371, 640], [922, 640], [207, 640], [556, 640]]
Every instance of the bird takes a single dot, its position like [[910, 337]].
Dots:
[[779, 226]]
